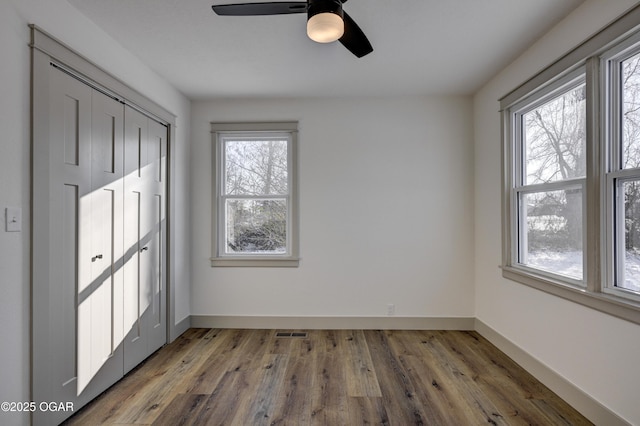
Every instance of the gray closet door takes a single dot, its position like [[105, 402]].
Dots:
[[84, 252], [145, 230], [99, 244]]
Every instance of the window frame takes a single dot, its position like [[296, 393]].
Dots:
[[519, 186], [593, 58], [615, 172], [220, 132]]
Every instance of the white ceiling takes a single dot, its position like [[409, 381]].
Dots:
[[420, 46]]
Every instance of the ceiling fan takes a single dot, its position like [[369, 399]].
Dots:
[[326, 21]]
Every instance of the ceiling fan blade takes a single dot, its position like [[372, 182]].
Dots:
[[354, 39], [265, 8]]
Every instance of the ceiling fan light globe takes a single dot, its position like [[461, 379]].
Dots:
[[325, 27]]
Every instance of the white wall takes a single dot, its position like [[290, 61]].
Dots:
[[386, 211], [62, 21], [596, 352]]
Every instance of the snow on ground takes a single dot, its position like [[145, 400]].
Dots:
[[570, 264]]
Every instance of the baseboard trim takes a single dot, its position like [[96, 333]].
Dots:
[[574, 396], [333, 323]]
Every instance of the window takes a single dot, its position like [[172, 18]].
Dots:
[[571, 174], [254, 181], [623, 177], [549, 134]]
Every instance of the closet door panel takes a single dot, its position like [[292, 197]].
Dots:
[[145, 309], [156, 185], [108, 191], [69, 180], [132, 268], [153, 265], [135, 304], [66, 299], [100, 298]]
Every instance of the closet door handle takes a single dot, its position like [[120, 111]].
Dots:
[[145, 248], [94, 258]]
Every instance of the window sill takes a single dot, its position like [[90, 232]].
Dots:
[[256, 262], [622, 308]]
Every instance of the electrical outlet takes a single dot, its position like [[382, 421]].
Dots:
[[391, 309], [13, 219]]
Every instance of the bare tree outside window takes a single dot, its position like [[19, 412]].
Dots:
[[256, 186], [555, 137], [554, 150], [629, 276], [256, 167]]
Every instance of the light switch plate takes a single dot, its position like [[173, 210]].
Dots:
[[13, 218]]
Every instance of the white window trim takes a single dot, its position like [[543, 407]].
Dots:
[[562, 85], [221, 259], [595, 292], [614, 172]]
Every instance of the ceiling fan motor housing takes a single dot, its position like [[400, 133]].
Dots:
[[325, 20]]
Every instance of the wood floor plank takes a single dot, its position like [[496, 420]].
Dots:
[[360, 373], [435, 394], [329, 401], [293, 406], [157, 364], [303, 347], [213, 365], [449, 390], [367, 411], [327, 340], [246, 348], [398, 393], [230, 351], [330, 377], [268, 382], [182, 410], [437, 399], [233, 390], [205, 379], [405, 342]]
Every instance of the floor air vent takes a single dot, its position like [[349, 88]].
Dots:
[[297, 334]]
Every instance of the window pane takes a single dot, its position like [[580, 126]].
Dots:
[[256, 226], [554, 139], [631, 112], [551, 237], [630, 264], [256, 167]]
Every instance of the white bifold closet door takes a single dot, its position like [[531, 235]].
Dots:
[[144, 231], [100, 254], [107, 227], [86, 155]]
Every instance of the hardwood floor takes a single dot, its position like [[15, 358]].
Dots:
[[331, 377]]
